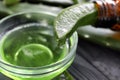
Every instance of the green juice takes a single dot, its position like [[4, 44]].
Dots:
[[32, 45], [30, 48]]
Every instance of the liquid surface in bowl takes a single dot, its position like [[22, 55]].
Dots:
[[31, 45]]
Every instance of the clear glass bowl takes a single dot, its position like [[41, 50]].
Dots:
[[44, 72]]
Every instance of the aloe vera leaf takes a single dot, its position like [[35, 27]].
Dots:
[[73, 17], [23, 7], [65, 75], [4, 8], [104, 37], [59, 1], [4, 11], [68, 76], [79, 1], [10, 2]]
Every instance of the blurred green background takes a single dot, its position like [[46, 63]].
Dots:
[[8, 7]]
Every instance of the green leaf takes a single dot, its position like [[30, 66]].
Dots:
[[10, 2], [23, 7], [79, 1], [73, 17], [4, 11], [101, 36], [65, 75]]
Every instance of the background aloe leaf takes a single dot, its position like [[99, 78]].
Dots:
[[101, 36], [10, 2], [23, 7], [79, 1], [64, 76], [54, 2], [4, 11]]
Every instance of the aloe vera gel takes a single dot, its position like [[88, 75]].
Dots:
[[27, 46], [29, 49]]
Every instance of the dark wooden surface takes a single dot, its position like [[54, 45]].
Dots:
[[95, 62]]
